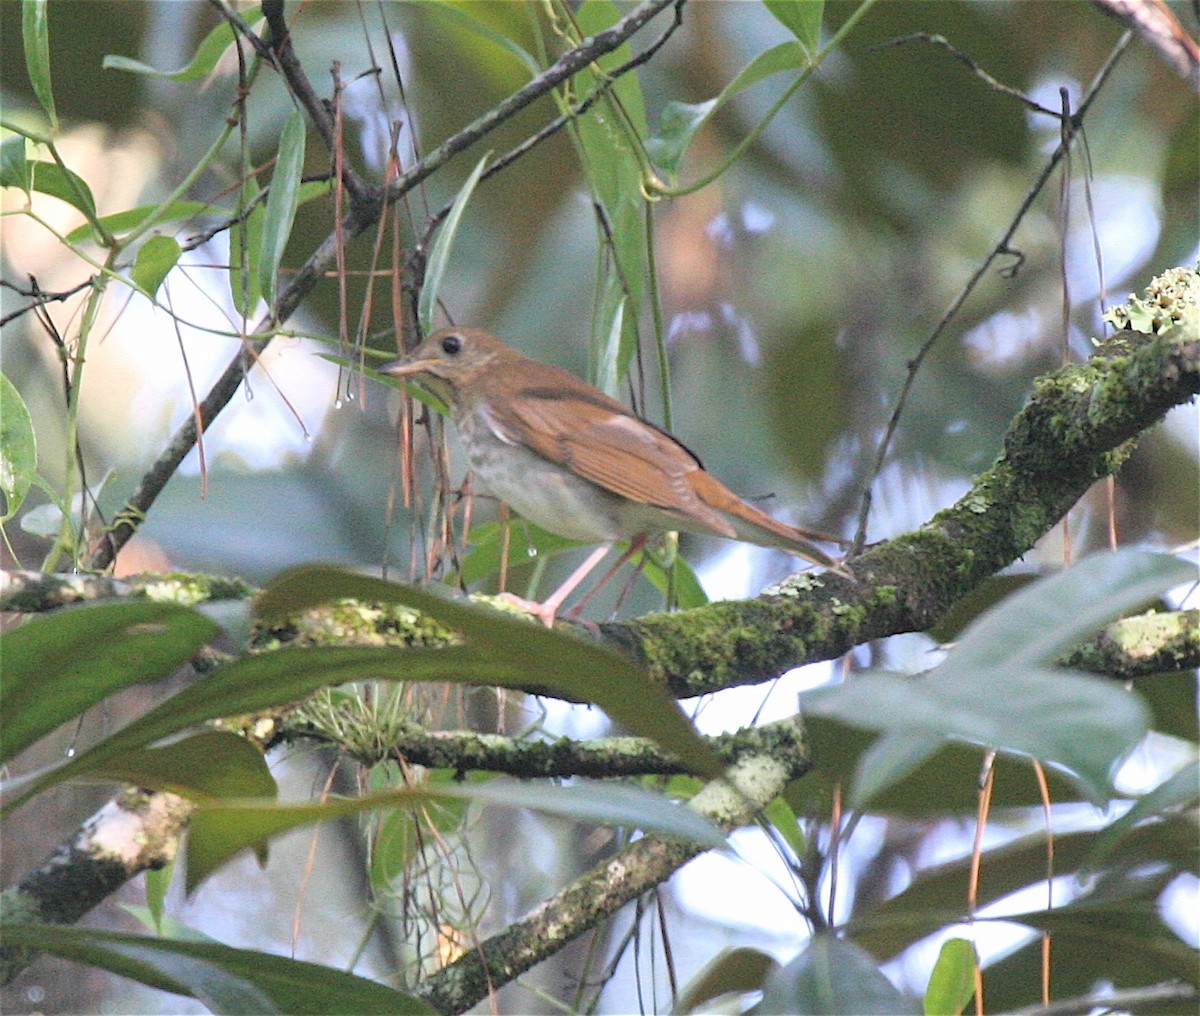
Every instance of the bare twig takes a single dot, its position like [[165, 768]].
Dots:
[[1003, 247], [360, 218]]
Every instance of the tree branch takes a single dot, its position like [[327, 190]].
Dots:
[[1078, 427], [362, 216], [601, 892]]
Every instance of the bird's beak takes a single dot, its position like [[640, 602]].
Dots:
[[406, 367]]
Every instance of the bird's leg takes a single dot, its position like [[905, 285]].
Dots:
[[636, 544], [548, 610]]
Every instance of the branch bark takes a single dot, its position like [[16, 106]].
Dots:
[[364, 214]]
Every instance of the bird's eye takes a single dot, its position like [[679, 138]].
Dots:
[[452, 345]]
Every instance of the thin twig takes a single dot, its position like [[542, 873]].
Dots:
[[1001, 248], [360, 218]]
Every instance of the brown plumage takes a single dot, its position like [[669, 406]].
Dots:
[[575, 461]]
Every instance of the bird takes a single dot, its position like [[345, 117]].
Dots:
[[577, 462]]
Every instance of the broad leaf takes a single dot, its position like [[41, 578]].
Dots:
[[220, 829], [51, 178], [997, 688], [155, 259], [680, 122], [801, 17], [59, 665], [225, 980], [505, 651], [732, 971], [833, 976], [952, 981]]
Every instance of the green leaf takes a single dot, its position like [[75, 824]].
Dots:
[[952, 981], [14, 167], [779, 813], [154, 261], [466, 17], [59, 665], [1039, 623], [225, 980], [1180, 792], [35, 30], [130, 219], [245, 245], [731, 971], [800, 17], [207, 55], [833, 976], [680, 122], [282, 201], [211, 764], [526, 543], [937, 896], [220, 829], [946, 783], [18, 449], [51, 178], [610, 136], [439, 257], [509, 652], [158, 883], [996, 688]]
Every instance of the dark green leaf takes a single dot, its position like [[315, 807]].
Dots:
[[233, 981], [18, 449], [155, 259], [731, 971], [59, 665], [506, 651], [36, 33], [937, 896], [221, 829], [282, 201], [610, 137], [1039, 623], [466, 17], [526, 543], [1178, 793], [946, 783], [995, 687], [833, 976], [952, 982], [207, 54], [209, 764], [439, 257]]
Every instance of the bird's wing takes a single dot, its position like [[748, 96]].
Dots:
[[601, 441]]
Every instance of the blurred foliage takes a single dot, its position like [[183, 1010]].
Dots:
[[794, 291]]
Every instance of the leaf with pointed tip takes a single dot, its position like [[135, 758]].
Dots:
[[205, 59], [225, 980], [509, 652], [155, 259], [220, 829], [59, 665]]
